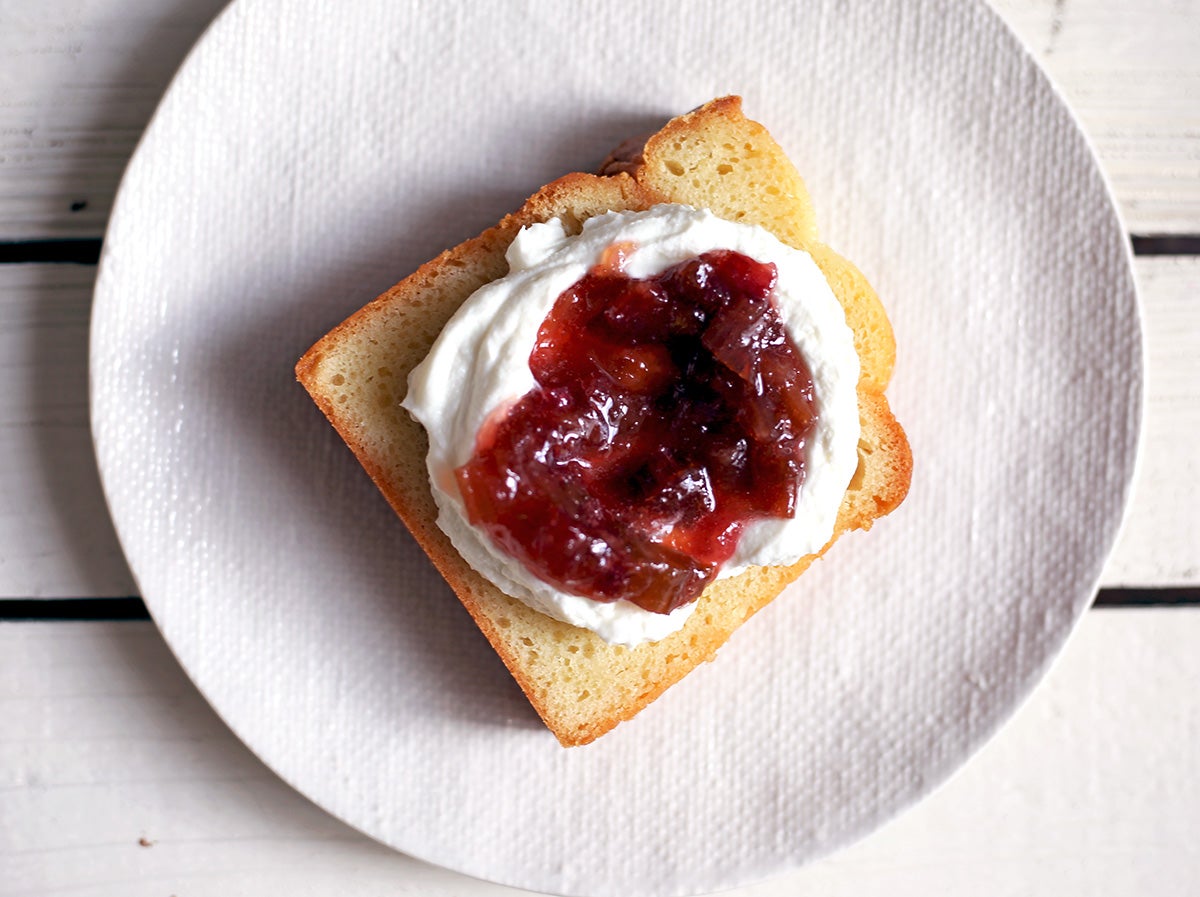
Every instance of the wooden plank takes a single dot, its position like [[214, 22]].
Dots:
[[1160, 542], [79, 85], [106, 745], [1131, 72], [56, 539], [83, 79]]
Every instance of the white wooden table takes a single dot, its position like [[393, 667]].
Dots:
[[117, 779]]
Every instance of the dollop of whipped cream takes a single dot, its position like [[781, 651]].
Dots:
[[480, 363]]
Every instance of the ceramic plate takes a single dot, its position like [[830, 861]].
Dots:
[[309, 154]]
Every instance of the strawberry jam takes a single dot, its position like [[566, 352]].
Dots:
[[668, 413]]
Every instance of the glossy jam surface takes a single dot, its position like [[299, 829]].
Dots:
[[668, 412]]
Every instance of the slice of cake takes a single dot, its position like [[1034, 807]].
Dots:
[[712, 159]]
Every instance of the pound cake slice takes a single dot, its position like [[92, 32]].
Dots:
[[712, 158]]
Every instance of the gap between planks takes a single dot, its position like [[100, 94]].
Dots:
[[131, 608], [87, 251]]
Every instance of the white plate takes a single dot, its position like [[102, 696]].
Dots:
[[309, 154]]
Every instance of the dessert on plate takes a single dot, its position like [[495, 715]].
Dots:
[[624, 418]]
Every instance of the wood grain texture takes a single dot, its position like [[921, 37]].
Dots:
[[1131, 72], [79, 82], [1160, 542], [107, 745], [56, 539]]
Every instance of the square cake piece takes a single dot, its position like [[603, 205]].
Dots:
[[712, 158]]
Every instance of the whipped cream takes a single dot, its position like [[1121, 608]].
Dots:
[[480, 363]]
